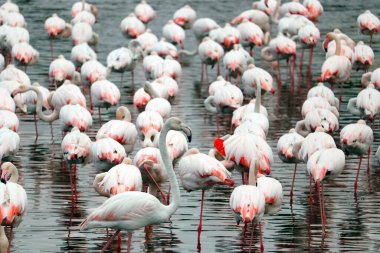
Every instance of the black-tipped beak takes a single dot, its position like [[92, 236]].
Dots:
[[3, 181], [187, 132]]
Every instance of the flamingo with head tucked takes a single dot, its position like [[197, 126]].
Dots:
[[145, 12], [185, 17], [368, 24]]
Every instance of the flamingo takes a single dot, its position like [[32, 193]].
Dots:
[[174, 33], [124, 59], [287, 153], [9, 120], [75, 115], [171, 67], [272, 190], [13, 197], [368, 24], [236, 62], [255, 75], [145, 12], [11, 73], [228, 36], [106, 153], [150, 62], [61, 69], [335, 69], [267, 6], [216, 85], [76, 147], [25, 54], [160, 105], [258, 17], [185, 17], [14, 19], [279, 48], [120, 129], [248, 203], [82, 53], [198, 171], [149, 210], [314, 8], [366, 104], [363, 56], [325, 164], [147, 40], [149, 123], [7, 102], [251, 35], [248, 127], [92, 71], [202, 27], [371, 77], [307, 37], [163, 87], [83, 33], [164, 48], [9, 144], [293, 7], [83, 6], [356, 139], [325, 119], [210, 53], [120, 178], [56, 27], [131, 26], [85, 17], [104, 94], [140, 99]]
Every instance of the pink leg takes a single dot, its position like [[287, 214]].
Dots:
[[129, 241], [251, 51], [110, 241], [237, 81], [291, 188], [357, 175], [154, 181], [121, 80], [10, 240], [218, 69], [168, 196], [340, 96], [310, 191], [202, 70], [370, 40], [35, 126], [242, 178], [301, 60], [369, 156], [310, 61], [133, 77], [51, 50], [207, 81], [251, 240], [321, 208], [119, 242], [279, 74], [217, 123], [200, 221], [261, 239]]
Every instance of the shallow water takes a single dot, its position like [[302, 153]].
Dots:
[[51, 223]]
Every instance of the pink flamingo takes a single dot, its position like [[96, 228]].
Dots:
[[104, 94], [210, 53], [293, 7], [325, 119], [149, 123], [61, 69], [356, 138], [248, 203], [228, 36], [185, 17], [200, 172], [315, 9], [9, 144], [150, 63], [145, 12], [147, 40], [160, 105], [107, 152], [75, 115], [9, 6], [140, 99], [83, 33], [11, 73], [9, 120], [176, 143], [76, 147], [287, 153], [149, 209], [13, 197], [202, 27], [236, 62], [25, 54], [120, 129], [164, 48], [82, 53], [121, 178], [325, 164], [83, 6], [258, 17], [131, 26], [371, 78], [14, 19], [85, 17], [366, 104], [324, 92], [313, 103], [267, 6], [254, 75], [363, 56], [56, 27], [92, 71], [368, 24], [174, 33], [251, 35], [272, 190]]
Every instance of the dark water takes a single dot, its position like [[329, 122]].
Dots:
[[51, 223]]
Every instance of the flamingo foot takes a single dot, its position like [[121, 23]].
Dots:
[[110, 241]]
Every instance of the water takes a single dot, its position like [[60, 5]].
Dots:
[[51, 223]]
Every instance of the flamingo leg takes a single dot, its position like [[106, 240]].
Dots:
[[110, 241], [237, 81], [340, 95], [218, 69], [168, 196], [357, 175], [261, 239], [35, 126], [121, 80], [310, 61], [251, 239], [217, 123], [301, 60], [279, 74], [310, 192], [133, 78], [321, 207], [370, 40], [207, 80], [119, 242], [292, 187], [202, 74], [369, 155], [129, 241], [156, 184], [10, 240], [51, 50], [200, 221]]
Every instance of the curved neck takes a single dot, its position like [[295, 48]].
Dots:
[[301, 128], [14, 175], [253, 170], [352, 107], [99, 189], [209, 106], [266, 54], [150, 90], [338, 45], [366, 79], [47, 118], [174, 203], [258, 95]]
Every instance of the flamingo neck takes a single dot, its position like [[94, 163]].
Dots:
[[338, 45], [14, 175], [174, 203], [253, 170], [99, 189], [47, 118], [209, 106], [258, 96]]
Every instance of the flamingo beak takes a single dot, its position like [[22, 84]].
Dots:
[[187, 131]]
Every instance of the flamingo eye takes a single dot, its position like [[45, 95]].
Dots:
[[115, 152]]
